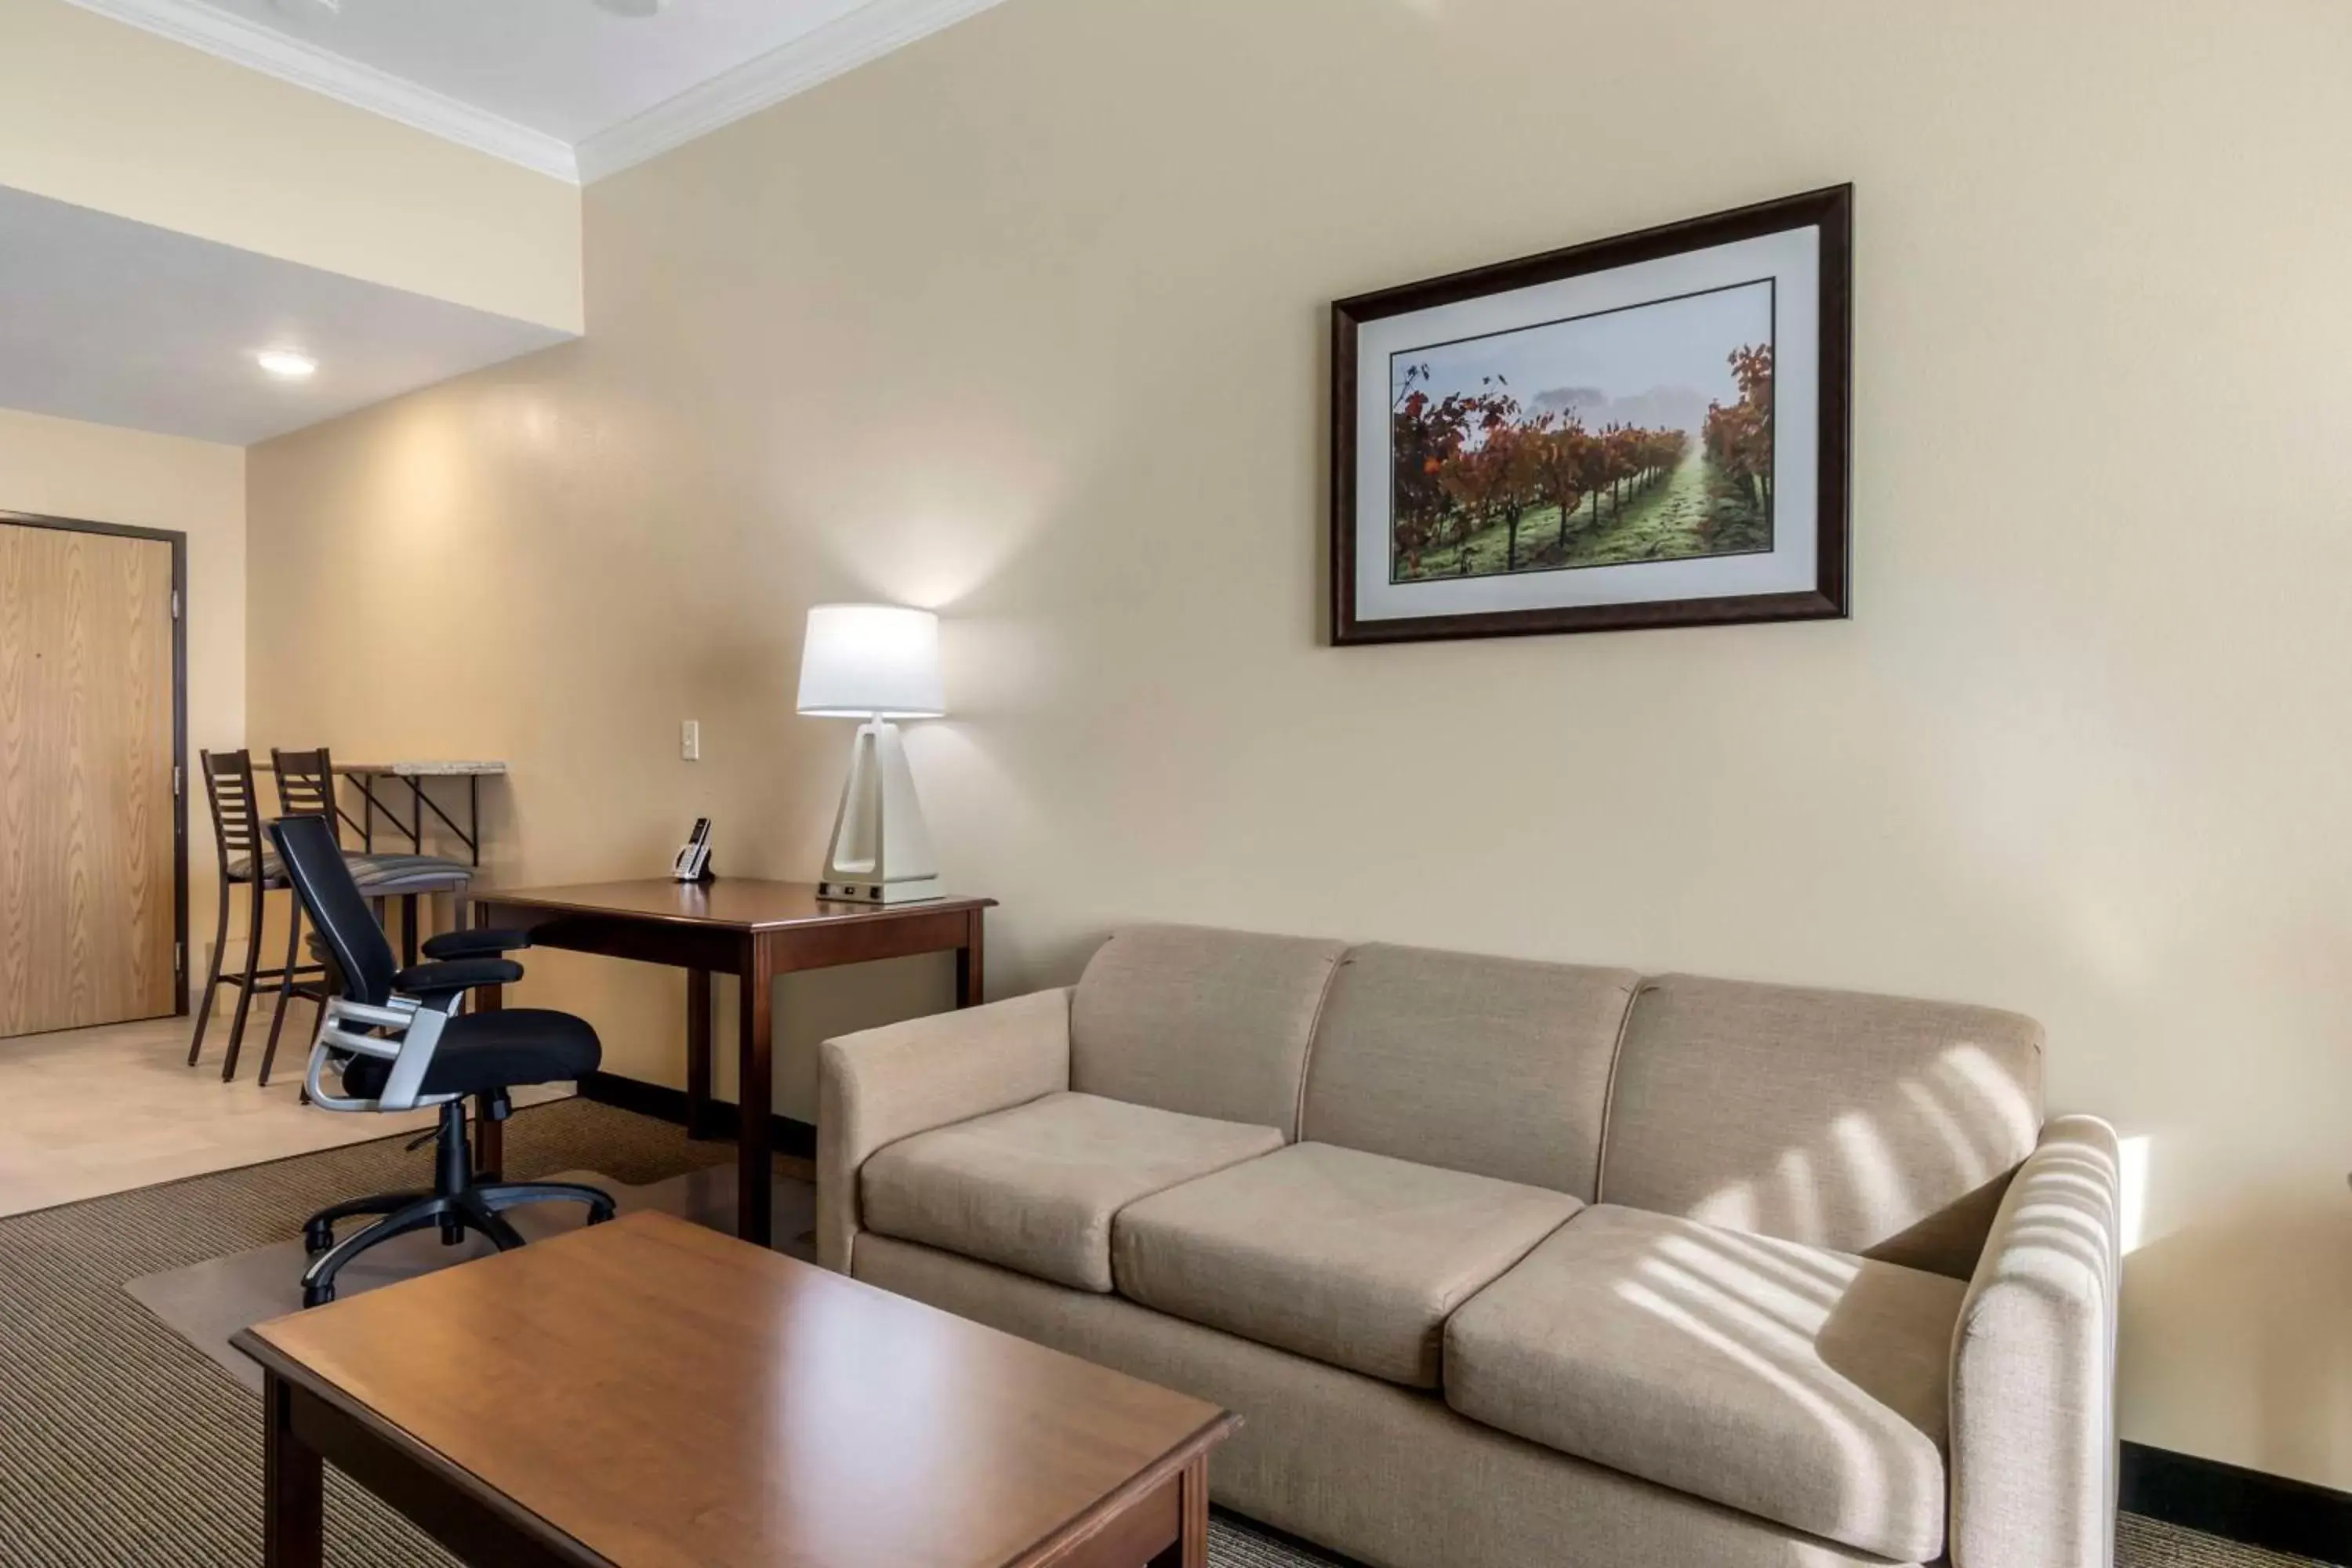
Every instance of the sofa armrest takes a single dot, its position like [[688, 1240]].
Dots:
[[882, 1085], [2032, 1439]]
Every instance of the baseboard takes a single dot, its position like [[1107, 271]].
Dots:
[[2250, 1507], [787, 1135]]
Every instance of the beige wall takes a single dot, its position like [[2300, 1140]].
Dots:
[[99, 114], [63, 468], [1027, 323]]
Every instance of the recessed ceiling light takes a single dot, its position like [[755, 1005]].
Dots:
[[285, 364], [631, 7]]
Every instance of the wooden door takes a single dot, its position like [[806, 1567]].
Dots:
[[89, 874]]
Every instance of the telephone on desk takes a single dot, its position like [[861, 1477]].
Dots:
[[693, 862]]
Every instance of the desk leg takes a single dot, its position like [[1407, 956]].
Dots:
[[698, 1053], [489, 1132], [293, 1517], [754, 1161], [970, 980]]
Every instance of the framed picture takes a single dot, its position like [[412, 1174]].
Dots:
[[1646, 431]]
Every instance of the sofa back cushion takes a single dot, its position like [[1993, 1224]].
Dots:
[[1494, 1065], [1202, 1022], [1876, 1125]]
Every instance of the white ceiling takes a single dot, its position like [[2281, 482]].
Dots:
[[577, 89], [123, 323]]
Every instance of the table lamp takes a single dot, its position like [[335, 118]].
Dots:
[[878, 663]]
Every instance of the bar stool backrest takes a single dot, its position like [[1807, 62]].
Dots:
[[236, 812], [306, 786]]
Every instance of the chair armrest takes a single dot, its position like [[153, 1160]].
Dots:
[[885, 1084], [460, 975], [475, 943], [2033, 1414]]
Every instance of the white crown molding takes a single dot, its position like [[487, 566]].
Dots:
[[869, 33], [249, 44]]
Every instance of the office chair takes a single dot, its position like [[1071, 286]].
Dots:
[[397, 1042]]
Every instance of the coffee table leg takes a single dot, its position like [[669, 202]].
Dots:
[[1192, 1547], [293, 1520]]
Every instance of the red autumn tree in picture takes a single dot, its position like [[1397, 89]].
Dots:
[[1609, 450], [1740, 438]]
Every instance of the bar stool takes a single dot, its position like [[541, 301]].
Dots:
[[306, 787], [245, 862]]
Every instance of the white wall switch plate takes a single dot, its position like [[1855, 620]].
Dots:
[[689, 741]]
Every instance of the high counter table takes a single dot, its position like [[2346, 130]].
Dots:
[[750, 929], [412, 773]]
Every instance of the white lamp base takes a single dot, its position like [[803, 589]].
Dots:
[[881, 851]]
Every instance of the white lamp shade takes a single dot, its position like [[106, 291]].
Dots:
[[866, 660]]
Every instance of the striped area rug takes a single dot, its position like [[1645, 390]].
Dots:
[[121, 1446]]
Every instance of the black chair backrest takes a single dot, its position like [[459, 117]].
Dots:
[[323, 880], [236, 812], [306, 785]]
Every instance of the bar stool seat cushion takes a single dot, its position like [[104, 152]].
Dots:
[[380, 874], [377, 875], [239, 868]]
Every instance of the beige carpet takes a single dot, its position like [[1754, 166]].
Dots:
[[124, 1445]]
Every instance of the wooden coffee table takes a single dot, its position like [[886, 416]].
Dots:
[[648, 1393]]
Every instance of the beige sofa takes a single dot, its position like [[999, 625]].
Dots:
[[1509, 1264]]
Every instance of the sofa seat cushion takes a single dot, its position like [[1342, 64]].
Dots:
[[1802, 1386], [1353, 1258], [1034, 1188]]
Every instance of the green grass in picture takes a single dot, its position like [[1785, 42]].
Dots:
[[1691, 511]]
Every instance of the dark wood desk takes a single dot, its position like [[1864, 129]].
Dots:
[[753, 930], [648, 1393]]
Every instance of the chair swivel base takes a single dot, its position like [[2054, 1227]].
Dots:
[[456, 1204]]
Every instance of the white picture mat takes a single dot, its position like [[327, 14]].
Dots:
[[1791, 258]]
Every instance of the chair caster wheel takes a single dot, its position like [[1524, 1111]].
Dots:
[[452, 1232], [598, 1212], [317, 1238], [317, 1295]]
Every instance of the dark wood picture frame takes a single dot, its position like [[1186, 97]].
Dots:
[[178, 541], [1830, 210]]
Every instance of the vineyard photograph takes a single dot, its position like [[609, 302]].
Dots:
[[1643, 433]]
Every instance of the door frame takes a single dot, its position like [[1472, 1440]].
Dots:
[[180, 778]]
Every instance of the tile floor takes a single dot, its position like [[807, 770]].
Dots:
[[84, 1112]]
